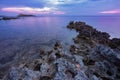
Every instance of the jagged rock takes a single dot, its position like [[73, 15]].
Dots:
[[93, 57], [72, 48], [115, 43], [37, 67], [71, 25], [68, 71], [88, 31], [42, 51], [80, 76], [57, 45], [44, 69], [107, 53], [106, 62], [22, 74], [45, 78]]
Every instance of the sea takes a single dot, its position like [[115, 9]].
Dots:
[[26, 36]]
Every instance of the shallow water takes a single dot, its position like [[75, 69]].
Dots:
[[26, 36]]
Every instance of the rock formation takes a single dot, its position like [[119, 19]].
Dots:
[[16, 17], [93, 57], [8, 18], [25, 15]]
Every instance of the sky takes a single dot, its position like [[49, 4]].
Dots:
[[60, 7]]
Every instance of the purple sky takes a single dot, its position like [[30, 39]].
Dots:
[[60, 7]]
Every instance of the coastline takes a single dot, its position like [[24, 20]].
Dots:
[[93, 56], [15, 17]]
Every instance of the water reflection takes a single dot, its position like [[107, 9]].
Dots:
[[26, 36]]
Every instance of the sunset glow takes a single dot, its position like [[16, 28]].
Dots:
[[111, 12], [60, 7], [45, 10]]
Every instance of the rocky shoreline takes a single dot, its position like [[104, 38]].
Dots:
[[93, 56]]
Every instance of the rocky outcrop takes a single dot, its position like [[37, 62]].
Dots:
[[88, 59], [16, 17], [25, 15], [8, 18], [106, 62], [115, 43], [22, 74], [52, 65], [88, 32]]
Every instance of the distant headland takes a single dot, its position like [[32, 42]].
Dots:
[[25, 15], [16, 17]]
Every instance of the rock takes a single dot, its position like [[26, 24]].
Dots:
[[80, 76], [106, 62], [88, 31], [71, 25], [114, 43], [44, 69], [42, 52], [94, 78], [45, 78], [93, 57], [22, 74], [57, 45], [72, 48], [37, 67], [8, 18], [107, 53], [69, 71]]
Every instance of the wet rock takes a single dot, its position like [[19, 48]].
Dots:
[[72, 48], [49, 52], [37, 67], [80, 76], [44, 69], [107, 53], [57, 45], [94, 78], [71, 25], [76, 40], [106, 62], [79, 61], [42, 52], [45, 78], [88, 31], [92, 57], [114, 43]]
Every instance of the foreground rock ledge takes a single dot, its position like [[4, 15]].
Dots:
[[93, 57]]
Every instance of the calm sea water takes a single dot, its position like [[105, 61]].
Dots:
[[25, 36]]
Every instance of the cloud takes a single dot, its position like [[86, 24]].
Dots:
[[58, 2], [116, 11], [59, 12], [44, 10]]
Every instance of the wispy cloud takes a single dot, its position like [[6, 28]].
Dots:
[[58, 2], [59, 12], [116, 11], [44, 10]]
